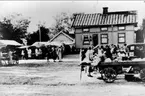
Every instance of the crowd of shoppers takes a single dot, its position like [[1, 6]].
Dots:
[[11, 55], [93, 56], [44, 52]]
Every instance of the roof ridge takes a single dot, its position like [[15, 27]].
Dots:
[[111, 18], [114, 12], [111, 12]]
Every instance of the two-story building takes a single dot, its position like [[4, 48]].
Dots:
[[104, 28]]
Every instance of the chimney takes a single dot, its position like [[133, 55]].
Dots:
[[105, 10]]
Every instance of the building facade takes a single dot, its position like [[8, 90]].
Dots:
[[106, 28]]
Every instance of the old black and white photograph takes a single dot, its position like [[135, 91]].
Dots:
[[72, 48]]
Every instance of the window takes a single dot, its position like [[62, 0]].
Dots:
[[86, 30], [104, 29], [121, 37], [86, 40], [121, 28], [104, 38], [132, 48]]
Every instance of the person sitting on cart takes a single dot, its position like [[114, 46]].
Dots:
[[107, 59], [114, 51], [108, 52], [96, 60]]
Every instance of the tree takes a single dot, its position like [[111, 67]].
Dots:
[[140, 33], [139, 36], [34, 37], [14, 27], [143, 28], [63, 23]]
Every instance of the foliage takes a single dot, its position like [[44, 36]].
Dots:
[[140, 33], [139, 36], [143, 27], [62, 22], [34, 37], [14, 27]]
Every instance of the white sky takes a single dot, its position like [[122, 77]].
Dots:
[[45, 10]]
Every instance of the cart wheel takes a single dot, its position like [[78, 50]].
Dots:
[[109, 75], [142, 74]]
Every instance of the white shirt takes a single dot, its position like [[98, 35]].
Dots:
[[22, 53], [96, 60], [29, 51], [121, 54], [36, 52], [100, 53], [88, 55]]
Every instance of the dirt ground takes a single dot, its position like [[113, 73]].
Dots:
[[61, 79]]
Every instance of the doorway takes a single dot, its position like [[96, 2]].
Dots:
[[95, 39]]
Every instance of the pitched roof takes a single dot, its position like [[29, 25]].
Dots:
[[110, 18], [63, 34]]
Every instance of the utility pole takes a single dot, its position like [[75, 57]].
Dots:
[[39, 33], [39, 25]]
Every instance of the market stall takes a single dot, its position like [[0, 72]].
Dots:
[[8, 53]]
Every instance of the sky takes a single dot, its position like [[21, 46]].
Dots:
[[45, 11]]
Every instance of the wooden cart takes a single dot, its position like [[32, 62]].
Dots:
[[110, 70]]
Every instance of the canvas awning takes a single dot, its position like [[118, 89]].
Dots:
[[55, 43], [68, 43], [39, 44], [4, 43], [23, 47]]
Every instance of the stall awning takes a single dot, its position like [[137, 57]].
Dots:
[[23, 47], [39, 44], [55, 43], [4, 43]]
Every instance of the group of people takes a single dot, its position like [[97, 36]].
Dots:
[[49, 52], [93, 56], [12, 55], [8, 55]]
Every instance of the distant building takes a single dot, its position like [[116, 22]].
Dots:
[[63, 37], [106, 28]]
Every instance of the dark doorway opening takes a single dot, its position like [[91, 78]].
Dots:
[[95, 39]]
